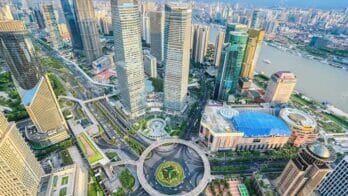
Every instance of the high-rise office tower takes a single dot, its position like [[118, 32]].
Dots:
[[87, 22], [5, 12], [146, 7], [20, 172], [39, 18], [177, 37], [73, 27], [230, 69], [252, 52], [16, 48], [336, 183], [146, 29], [256, 19], [43, 109], [200, 42], [52, 26], [36, 92], [280, 87], [129, 57], [156, 34], [304, 173], [234, 27], [219, 44]]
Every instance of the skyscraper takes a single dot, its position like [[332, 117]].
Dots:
[[219, 44], [177, 37], [156, 34], [43, 109], [303, 173], [52, 26], [229, 72], [256, 19], [73, 27], [5, 12], [87, 22], [39, 18], [234, 27], [200, 42], [20, 172], [252, 52], [36, 92], [336, 183], [129, 57], [146, 7], [16, 48], [280, 87]]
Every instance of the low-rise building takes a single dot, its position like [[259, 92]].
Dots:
[[70, 180], [244, 128], [303, 126], [103, 63]]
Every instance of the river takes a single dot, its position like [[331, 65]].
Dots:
[[316, 80]]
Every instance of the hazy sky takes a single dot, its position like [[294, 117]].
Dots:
[[324, 4]]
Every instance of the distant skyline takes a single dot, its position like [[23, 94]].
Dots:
[[322, 4]]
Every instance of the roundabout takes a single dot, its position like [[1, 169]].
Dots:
[[176, 167]]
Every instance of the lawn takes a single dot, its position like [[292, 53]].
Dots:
[[111, 155], [127, 179], [65, 156], [170, 174], [88, 148]]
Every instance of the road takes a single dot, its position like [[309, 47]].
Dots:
[[194, 121]]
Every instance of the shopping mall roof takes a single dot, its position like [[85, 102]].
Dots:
[[244, 121], [259, 124]]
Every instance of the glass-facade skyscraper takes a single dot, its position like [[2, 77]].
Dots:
[[231, 66], [87, 22], [34, 88], [73, 27], [18, 51], [52, 26]]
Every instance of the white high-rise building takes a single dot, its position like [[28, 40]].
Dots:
[[150, 64], [200, 42], [177, 37], [219, 44], [129, 56]]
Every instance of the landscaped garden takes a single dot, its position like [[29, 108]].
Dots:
[[88, 148], [127, 179], [170, 174]]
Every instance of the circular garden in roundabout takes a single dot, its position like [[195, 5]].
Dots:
[[173, 167], [170, 174]]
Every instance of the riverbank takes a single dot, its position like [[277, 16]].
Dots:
[[317, 80]]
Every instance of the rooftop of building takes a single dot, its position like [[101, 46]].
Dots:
[[285, 75], [250, 122], [297, 118], [11, 26], [30, 94], [319, 150]]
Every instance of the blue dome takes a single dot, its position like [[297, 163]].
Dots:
[[259, 124]]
